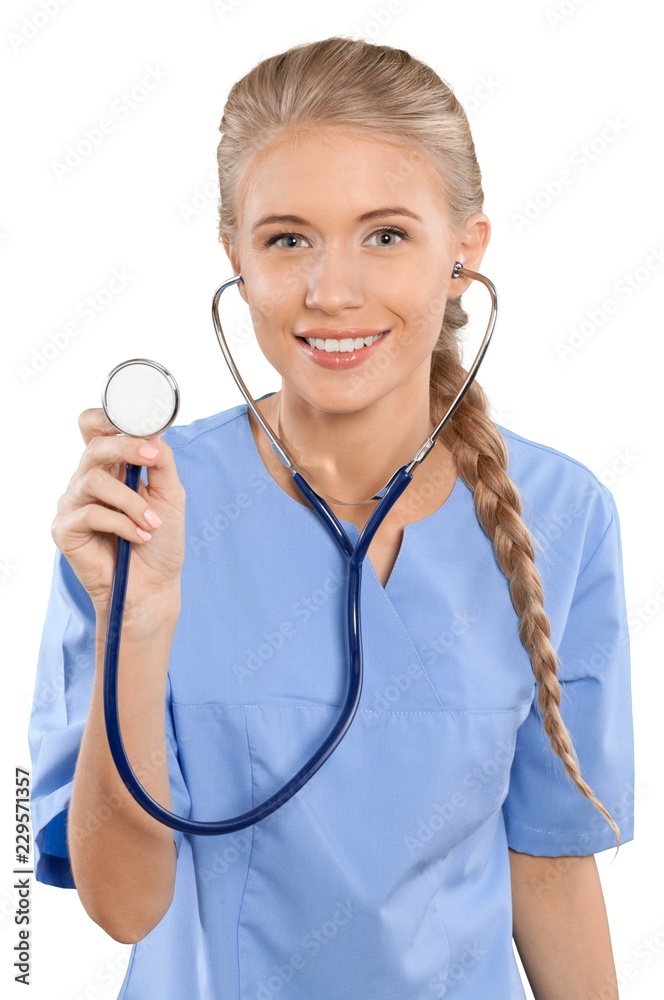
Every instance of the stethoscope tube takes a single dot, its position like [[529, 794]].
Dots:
[[387, 498], [111, 713]]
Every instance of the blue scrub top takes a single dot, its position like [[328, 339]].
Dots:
[[388, 874]]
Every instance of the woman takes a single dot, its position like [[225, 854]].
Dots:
[[455, 813]]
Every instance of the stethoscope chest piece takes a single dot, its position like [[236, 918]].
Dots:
[[140, 397]]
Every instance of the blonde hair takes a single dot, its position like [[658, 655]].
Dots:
[[385, 91]]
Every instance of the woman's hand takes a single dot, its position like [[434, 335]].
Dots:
[[98, 506]]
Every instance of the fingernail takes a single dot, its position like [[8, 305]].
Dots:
[[147, 451], [145, 536], [152, 518]]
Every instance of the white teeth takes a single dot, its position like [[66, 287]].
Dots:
[[330, 345]]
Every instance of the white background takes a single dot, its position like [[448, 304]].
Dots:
[[540, 80]]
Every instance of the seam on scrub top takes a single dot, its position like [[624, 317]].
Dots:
[[551, 833], [251, 851], [595, 550], [218, 422], [408, 638], [373, 711], [554, 451]]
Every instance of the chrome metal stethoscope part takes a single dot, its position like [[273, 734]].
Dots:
[[140, 398]]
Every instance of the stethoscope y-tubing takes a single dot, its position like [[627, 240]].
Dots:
[[388, 497]]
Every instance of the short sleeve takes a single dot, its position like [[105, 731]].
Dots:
[[63, 689], [544, 811]]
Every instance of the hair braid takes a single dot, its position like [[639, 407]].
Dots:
[[480, 456]]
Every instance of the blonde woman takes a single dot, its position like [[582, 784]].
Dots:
[[494, 735]]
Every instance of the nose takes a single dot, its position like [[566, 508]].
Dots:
[[334, 281]]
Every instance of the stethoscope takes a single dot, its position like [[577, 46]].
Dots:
[[141, 399]]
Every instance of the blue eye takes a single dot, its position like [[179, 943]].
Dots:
[[283, 236], [277, 237], [393, 230]]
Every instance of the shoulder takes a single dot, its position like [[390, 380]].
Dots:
[[216, 458], [562, 499], [219, 428]]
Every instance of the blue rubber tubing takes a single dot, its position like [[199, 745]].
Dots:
[[392, 492]]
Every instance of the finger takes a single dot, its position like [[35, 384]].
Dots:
[[98, 486], [93, 422], [105, 451], [108, 450], [71, 530]]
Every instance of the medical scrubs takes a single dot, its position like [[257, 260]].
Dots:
[[387, 876]]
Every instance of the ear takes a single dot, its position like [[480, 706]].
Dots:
[[470, 248], [232, 254]]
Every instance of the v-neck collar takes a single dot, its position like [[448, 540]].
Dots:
[[351, 529]]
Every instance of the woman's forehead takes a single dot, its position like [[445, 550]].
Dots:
[[345, 172]]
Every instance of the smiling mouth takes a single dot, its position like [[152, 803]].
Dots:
[[345, 345]]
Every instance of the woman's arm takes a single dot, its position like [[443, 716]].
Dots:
[[560, 927], [122, 859]]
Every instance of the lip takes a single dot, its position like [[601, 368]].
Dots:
[[335, 359]]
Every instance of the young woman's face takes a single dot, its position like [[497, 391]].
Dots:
[[343, 238]]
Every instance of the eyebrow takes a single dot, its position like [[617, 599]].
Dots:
[[373, 214]]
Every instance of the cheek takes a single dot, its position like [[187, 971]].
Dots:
[[421, 315], [265, 306], [276, 305], [425, 316]]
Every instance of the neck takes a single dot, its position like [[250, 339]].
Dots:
[[350, 456]]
